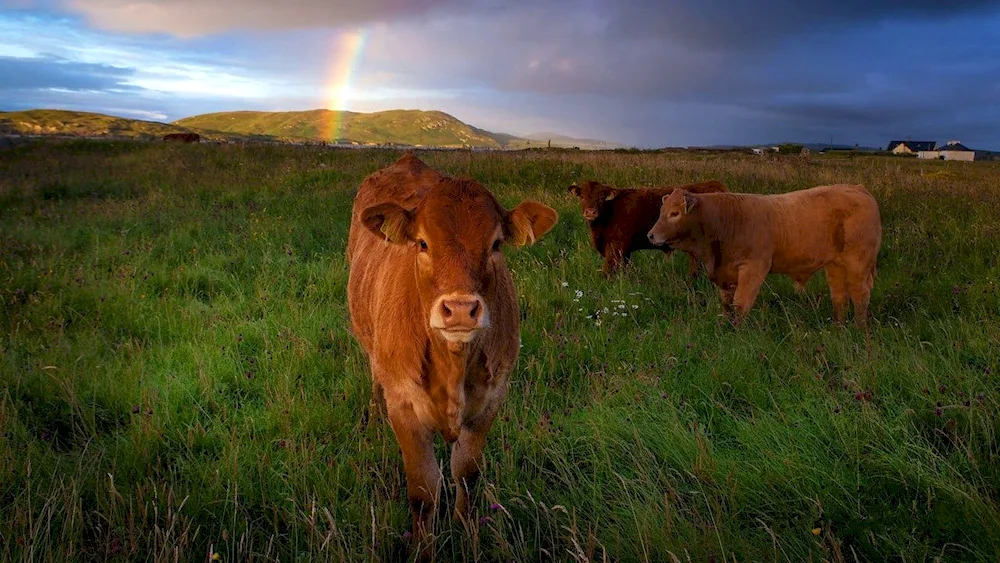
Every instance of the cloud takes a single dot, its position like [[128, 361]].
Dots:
[[48, 72], [139, 113], [191, 18], [641, 71], [725, 24]]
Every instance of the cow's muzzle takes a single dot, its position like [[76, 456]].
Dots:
[[656, 238], [590, 213], [459, 317]]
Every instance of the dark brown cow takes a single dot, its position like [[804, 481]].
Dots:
[[182, 137], [742, 237], [433, 305], [619, 219]]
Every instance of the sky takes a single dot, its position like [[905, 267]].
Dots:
[[648, 73]]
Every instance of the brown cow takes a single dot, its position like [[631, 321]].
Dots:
[[742, 237], [433, 305], [620, 218], [182, 137]]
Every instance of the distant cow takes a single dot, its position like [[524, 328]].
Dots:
[[182, 137], [433, 305], [742, 237], [619, 219]]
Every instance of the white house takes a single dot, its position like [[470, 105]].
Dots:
[[952, 150]]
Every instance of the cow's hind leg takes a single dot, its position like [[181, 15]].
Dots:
[[859, 284], [378, 400], [836, 278], [423, 478], [467, 459]]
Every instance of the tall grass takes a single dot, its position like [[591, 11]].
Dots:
[[178, 378]]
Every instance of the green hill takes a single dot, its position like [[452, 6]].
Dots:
[[80, 123], [410, 127], [404, 127]]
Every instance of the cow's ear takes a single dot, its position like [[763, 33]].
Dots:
[[527, 222], [612, 194], [389, 221], [690, 202], [574, 189]]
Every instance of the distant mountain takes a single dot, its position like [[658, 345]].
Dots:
[[80, 123], [402, 127], [408, 127], [542, 139]]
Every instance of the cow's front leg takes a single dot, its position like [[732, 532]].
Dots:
[[423, 478], [749, 279], [693, 266], [614, 258], [726, 293], [467, 458]]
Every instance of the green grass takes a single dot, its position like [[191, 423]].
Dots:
[[178, 377]]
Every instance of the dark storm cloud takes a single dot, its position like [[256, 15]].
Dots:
[[728, 24], [38, 73], [642, 71]]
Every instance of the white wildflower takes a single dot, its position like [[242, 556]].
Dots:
[[565, 284], [579, 294]]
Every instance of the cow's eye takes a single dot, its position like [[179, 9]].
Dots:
[[674, 214], [496, 245], [423, 245]]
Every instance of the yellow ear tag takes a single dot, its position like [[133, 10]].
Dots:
[[392, 228]]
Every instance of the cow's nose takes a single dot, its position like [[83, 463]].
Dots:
[[652, 237], [462, 313]]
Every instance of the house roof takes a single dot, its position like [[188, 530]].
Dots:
[[914, 146], [954, 146]]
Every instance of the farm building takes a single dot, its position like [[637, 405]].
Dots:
[[910, 147], [953, 150]]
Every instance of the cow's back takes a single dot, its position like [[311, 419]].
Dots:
[[801, 230], [826, 220]]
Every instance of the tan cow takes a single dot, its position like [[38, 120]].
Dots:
[[433, 305], [742, 237]]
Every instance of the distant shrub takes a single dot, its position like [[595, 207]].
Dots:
[[789, 148]]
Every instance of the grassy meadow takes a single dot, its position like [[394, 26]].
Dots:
[[177, 378]]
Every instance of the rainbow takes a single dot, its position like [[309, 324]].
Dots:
[[348, 49]]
